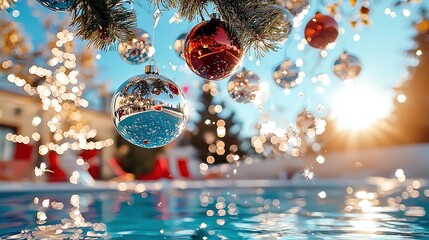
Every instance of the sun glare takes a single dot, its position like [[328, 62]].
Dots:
[[357, 107]]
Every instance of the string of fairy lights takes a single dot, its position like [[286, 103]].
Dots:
[[61, 94]]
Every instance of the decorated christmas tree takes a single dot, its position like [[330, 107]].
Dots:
[[215, 137]]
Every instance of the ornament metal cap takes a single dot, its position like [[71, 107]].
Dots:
[[214, 16], [151, 68]]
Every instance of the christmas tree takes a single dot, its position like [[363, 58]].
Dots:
[[411, 105], [215, 138], [134, 159]]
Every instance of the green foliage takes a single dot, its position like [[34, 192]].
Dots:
[[410, 117], [134, 159], [258, 25], [102, 22]]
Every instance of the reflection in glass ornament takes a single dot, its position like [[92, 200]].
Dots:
[[57, 5], [347, 66], [244, 86], [149, 110], [179, 43], [138, 50], [210, 50], [287, 74]]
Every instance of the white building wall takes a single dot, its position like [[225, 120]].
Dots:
[[19, 110]]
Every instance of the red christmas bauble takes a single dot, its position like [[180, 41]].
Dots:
[[320, 31], [211, 52]]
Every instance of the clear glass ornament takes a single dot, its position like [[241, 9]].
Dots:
[[305, 121], [347, 66], [149, 110], [244, 86], [287, 74], [138, 50]]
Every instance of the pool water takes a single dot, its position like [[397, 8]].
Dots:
[[386, 210]]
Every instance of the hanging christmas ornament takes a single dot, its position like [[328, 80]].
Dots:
[[305, 122], [320, 31], [347, 66], [138, 50], [244, 86], [210, 51], [149, 110], [286, 26], [287, 74], [57, 5], [179, 43], [294, 6]]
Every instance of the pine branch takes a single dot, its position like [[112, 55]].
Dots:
[[102, 22], [258, 25], [166, 3]]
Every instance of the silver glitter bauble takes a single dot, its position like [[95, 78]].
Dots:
[[244, 86], [138, 50], [287, 74], [347, 66], [149, 110], [57, 5]]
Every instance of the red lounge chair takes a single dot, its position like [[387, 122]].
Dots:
[[23, 152], [92, 158], [21, 166], [58, 175], [182, 163]]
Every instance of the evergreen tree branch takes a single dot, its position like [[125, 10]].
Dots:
[[258, 25], [102, 22]]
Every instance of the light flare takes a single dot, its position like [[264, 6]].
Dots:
[[357, 107]]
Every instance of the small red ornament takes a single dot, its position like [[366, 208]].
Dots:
[[173, 89], [320, 31], [210, 51]]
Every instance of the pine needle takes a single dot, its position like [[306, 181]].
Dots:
[[102, 22], [258, 25]]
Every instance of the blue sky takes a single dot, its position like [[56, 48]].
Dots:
[[381, 49]]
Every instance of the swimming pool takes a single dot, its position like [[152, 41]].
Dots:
[[375, 209]]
